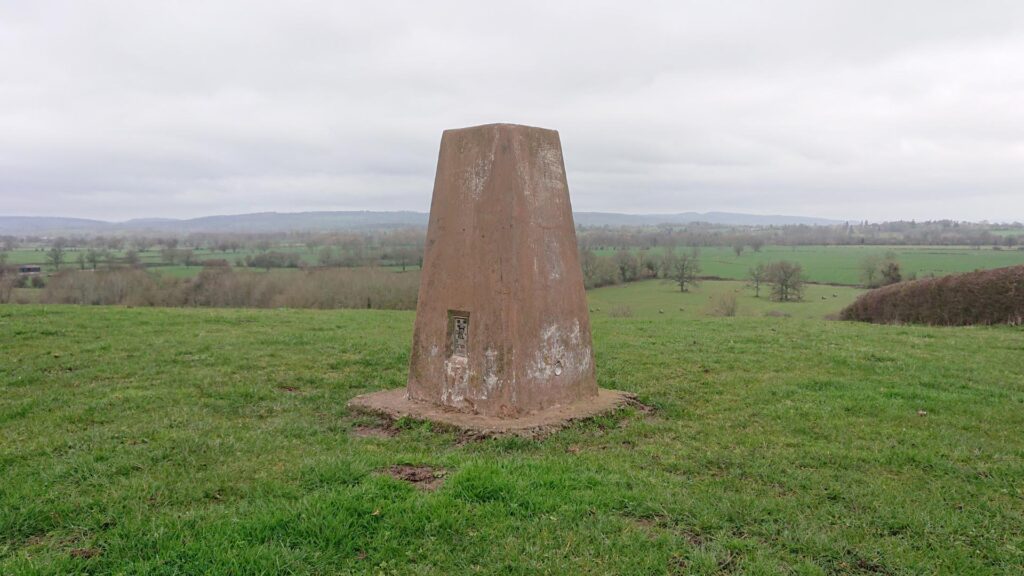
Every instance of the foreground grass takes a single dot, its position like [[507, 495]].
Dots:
[[153, 441]]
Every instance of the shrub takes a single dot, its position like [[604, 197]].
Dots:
[[982, 297], [724, 305], [879, 270], [117, 286]]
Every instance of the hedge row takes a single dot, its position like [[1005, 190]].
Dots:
[[981, 297]]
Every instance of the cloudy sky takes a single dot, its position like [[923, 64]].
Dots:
[[850, 110]]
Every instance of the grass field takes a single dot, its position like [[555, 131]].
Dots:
[[842, 264], [653, 298], [159, 441], [825, 264], [153, 260]]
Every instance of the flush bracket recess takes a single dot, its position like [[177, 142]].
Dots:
[[458, 334]]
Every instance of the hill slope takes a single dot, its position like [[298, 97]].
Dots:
[[195, 441]]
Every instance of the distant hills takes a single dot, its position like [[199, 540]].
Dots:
[[352, 220]]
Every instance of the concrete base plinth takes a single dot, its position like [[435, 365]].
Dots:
[[396, 404]]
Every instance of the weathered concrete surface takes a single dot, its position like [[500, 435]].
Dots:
[[502, 334], [501, 266], [396, 404]]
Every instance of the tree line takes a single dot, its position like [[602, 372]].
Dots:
[[784, 279], [225, 287], [741, 238]]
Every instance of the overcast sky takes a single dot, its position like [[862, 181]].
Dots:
[[851, 110]]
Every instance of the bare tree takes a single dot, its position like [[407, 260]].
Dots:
[[757, 275], [93, 258], [142, 243], [786, 279], [668, 262], [738, 248], [756, 244], [869, 270], [326, 256], [687, 267], [56, 253], [628, 265], [648, 265], [588, 263], [725, 305]]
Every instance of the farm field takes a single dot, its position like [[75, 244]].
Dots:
[[653, 298], [217, 441], [824, 264], [842, 264], [153, 260]]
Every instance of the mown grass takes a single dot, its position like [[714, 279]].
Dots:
[[158, 441], [653, 298]]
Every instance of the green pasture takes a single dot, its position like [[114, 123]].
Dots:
[[652, 298], [197, 441], [153, 260], [825, 264], [843, 264]]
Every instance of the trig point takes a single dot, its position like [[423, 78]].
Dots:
[[502, 335]]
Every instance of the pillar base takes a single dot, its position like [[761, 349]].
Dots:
[[396, 404]]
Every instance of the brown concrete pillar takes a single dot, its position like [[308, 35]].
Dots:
[[502, 326]]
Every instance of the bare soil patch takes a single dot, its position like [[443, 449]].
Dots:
[[85, 552], [422, 477]]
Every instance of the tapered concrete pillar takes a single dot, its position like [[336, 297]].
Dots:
[[501, 324], [502, 328]]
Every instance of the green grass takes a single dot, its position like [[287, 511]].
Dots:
[[153, 261], [160, 441], [652, 298], [842, 264], [825, 264]]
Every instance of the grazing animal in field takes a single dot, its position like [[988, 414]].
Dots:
[[660, 311]]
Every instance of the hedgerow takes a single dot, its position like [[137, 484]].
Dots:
[[981, 297]]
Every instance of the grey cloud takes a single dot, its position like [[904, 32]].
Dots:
[[860, 110]]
